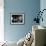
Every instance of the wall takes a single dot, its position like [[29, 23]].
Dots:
[[29, 7], [43, 6], [1, 20]]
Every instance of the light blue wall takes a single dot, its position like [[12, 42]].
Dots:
[[43, 6], [29, 7]]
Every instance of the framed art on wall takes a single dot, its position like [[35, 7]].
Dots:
[[17, 18]]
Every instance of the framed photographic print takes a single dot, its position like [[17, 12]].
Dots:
[[17, 18]]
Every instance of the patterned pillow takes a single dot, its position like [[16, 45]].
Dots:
[[28, 39]]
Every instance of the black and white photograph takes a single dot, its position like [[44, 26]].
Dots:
[[17, 18]]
